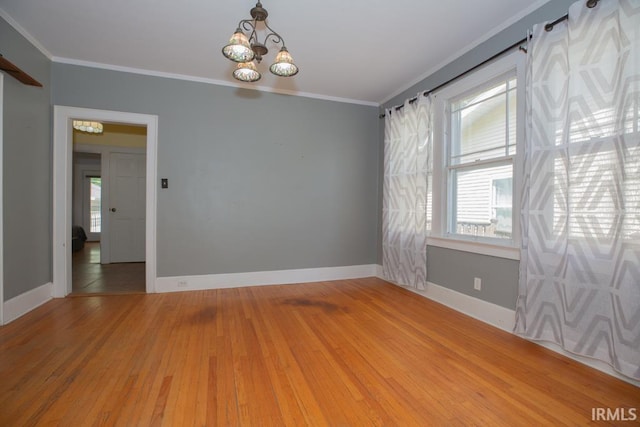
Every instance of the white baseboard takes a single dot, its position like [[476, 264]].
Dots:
[[261, 278], [379, 271], [24, 303], [495, 315], [502, 318]]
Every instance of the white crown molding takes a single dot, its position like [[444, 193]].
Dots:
[[71, 61], [90, 64], [24, 33], [24, 303], [506, 24]]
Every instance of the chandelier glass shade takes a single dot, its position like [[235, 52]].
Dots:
[[249, 50], [284, 65], [86, 126], [246, 72], [238, 49]]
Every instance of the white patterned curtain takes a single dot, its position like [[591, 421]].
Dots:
[[406, 193], [580, 264]]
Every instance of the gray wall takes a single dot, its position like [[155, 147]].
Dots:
[[257, 181], [456, 269], [26, 168]]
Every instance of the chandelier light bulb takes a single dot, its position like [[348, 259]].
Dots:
[[86, 126]]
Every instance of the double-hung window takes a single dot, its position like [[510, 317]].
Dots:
[[476, 142]]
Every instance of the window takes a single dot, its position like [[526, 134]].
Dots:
[[476, 137], [480, 161], [95, 204]]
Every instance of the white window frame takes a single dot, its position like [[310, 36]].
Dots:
[[441, 137]]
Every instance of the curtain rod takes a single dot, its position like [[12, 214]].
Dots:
[[425, 93], [590, 4]]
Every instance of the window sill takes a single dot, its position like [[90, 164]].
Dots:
[[483, 248]]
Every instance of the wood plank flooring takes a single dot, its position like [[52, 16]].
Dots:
[[346, 353]]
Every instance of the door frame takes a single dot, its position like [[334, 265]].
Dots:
[[1, 201], [62, 179]]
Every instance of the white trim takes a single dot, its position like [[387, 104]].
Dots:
[[105, 244], [90, 64], [262, 278], [495, 315], [62, 168], [423, 76], [506, 24], [482, 248], [442, 200], [24, 33], [1, 202], [102, 149], [24, 303], [379, 271]]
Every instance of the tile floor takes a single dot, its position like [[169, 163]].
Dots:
[[91, 277]]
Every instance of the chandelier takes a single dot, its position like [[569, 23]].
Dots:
[[246, 51], [84, 126]]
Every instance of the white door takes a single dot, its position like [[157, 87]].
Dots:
[[127, 183]]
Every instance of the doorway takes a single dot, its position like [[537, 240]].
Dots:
[[108, 210], [62, 191]]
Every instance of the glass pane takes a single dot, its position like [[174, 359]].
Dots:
[[511, 121], [482, 200], [501, 209], [479, 96], [95, 200], [484, 124]]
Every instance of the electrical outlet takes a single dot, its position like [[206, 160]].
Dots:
[[477, 283], [183, 284]]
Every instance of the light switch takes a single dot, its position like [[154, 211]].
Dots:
[[164, 183]]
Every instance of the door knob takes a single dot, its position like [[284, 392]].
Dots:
[[113, 209]]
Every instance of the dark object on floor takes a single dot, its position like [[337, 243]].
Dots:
[[78, 237]]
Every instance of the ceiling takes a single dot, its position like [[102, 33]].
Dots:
[[363, 51]]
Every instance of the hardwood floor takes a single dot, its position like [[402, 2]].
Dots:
[[346, 353], [91, 277]]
